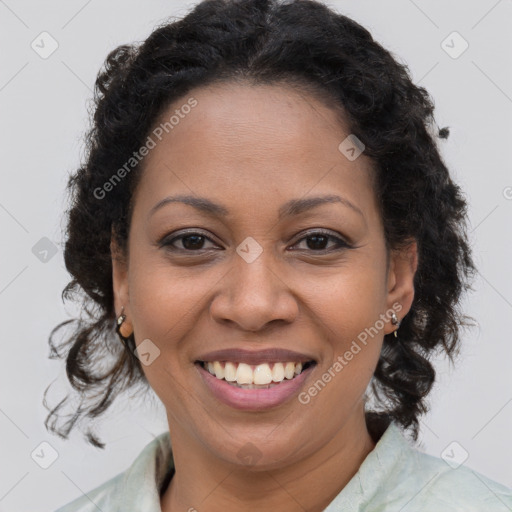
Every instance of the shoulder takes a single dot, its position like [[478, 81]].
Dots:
[[102, 497], [136, 487], [440, 485], [431, 483]]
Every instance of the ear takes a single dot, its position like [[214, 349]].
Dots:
[[400, 282], [120, 286]]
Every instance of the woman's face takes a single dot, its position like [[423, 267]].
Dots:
[[274, 266]]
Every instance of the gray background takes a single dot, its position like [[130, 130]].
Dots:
[[43, 117]]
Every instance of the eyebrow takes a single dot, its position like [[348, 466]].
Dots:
[[292, 207]]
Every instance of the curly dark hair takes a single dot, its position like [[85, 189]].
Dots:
[[304, 44]]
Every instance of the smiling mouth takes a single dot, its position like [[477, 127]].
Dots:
[[261, 376]]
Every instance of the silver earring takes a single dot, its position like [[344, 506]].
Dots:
[[120, 319], [395, 321]]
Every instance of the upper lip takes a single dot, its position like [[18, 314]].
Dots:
[[269, 355]]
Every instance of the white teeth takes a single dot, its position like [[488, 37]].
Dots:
[[278, 372], [230, 372], [289, 370], [244, 374], [262, 374], [219, 370], [253, 376]]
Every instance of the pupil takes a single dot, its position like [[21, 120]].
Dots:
[[315, 239], [195, 244]]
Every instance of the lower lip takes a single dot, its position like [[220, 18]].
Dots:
[[253, 399]]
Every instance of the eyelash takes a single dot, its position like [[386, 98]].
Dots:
[[340, 243]]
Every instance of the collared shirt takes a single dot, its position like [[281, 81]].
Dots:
[[394, 476]]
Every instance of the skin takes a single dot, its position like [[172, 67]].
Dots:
[[252, 148]]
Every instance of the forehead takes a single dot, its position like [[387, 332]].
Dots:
[[259, 142]]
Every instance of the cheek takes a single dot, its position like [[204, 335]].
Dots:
[[348, 316], [164, 299], [352, 299], [348, 308]]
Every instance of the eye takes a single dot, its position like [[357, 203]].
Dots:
[[317, 240], [194, 241], [191, 241]]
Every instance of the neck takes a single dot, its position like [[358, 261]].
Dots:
[[203, 482]]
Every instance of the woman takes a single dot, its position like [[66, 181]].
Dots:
[[266, 221]]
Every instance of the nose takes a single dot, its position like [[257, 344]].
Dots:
[[253, 295]]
